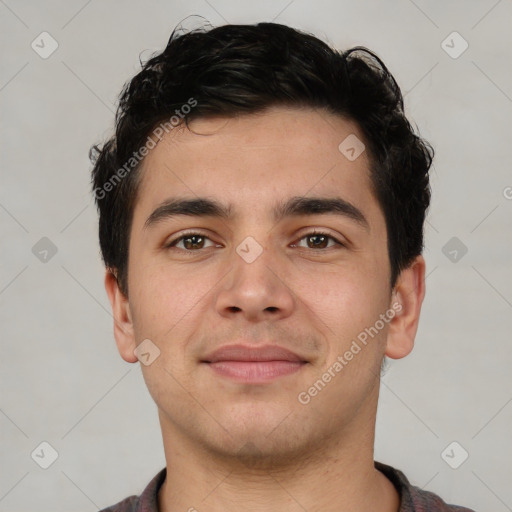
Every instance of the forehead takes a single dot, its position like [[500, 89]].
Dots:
[[252, 161]]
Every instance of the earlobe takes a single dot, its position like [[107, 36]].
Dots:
[[406, 301], [123, 325]]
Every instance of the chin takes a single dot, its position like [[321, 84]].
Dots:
[[260, 452], [261, 440]]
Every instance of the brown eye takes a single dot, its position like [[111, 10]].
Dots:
[[319, 241], [191, 242]]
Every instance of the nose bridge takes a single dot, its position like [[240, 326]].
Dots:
[[252, 266], [254, 288], [253, 260]]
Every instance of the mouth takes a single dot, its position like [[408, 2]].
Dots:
[[254, 365]]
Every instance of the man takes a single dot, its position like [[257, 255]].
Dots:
[[261, 221]]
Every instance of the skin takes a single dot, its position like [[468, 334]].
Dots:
[[237, 446]]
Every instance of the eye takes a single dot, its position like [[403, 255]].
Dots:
[[319, 240], [194, 241], [191, 241]]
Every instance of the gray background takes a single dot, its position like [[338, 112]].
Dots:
[[62, 380]]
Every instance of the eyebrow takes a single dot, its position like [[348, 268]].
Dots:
[[298, 206]]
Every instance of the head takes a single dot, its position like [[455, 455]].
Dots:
[[270, 136]]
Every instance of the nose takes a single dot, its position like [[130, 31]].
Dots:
[[256, 290]]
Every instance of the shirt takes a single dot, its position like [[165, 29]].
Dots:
[[412, 499]]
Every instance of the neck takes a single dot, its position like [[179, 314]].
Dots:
[[340, 476]]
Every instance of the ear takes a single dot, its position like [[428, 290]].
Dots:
[[406, 301], [123, 325]]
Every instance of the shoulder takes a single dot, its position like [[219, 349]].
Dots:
[[414, 499], [146, 502], [426, 501], [129, 504]]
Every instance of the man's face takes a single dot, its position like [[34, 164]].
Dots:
[[255, 279]]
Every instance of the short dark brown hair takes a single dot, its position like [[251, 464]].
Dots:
[[237, 69]]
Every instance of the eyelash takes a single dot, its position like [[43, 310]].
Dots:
[[188, 234]]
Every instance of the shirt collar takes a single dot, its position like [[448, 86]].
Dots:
[[148, 500]]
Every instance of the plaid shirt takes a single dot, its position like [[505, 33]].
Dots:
[[412, 499]]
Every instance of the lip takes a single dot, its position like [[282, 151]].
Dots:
[[253, 364], [252, 354]]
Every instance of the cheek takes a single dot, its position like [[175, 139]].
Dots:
[[343, 303], [164, 300], [354, 290]]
